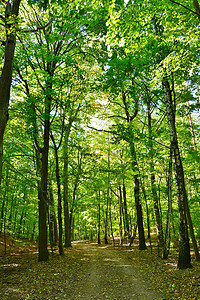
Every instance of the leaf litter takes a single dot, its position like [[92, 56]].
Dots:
[[90, 271]]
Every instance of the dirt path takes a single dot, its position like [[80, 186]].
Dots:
[[87, 271], [111, 275]]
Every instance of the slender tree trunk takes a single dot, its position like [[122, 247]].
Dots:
[[125, 210], [71, 215], [4, 234], [120, 216], [60, 243], [142, 244], [2, 216], [66, 195], [43, 237], [99, 218], [184, 260], [147, 211], [152, 176], [110, 219], [72, 227], [106, 222], [53, 232], [108, 193], [50, 219], [166, 245]]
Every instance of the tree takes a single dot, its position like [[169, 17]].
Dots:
[[10, 21]]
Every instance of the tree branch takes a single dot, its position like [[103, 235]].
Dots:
[[38, 28], [194, 12], [102, 130], [114, 102], [117, 116]]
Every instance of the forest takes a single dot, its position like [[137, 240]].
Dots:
[[99, 126]]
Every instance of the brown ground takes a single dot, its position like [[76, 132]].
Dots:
[[89, 271]]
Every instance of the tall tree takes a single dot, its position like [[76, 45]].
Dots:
[[10, 26]]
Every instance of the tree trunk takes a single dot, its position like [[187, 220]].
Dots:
[[60, 243], [11, 11], [50, 220], [125, 211], [2, 215], [66, 195], [184, 260], [72, 227], [106, 223], [43, 237], [152, 176], [52, 232], [147, 211], [120, 216], [71, 215], [142, 244], [110, 219], [166, 245], [99, 219]]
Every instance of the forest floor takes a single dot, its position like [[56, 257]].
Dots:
[[91, 271]]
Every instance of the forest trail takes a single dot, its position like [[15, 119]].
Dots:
[[87, 271], [111, 275], [91, 271]]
